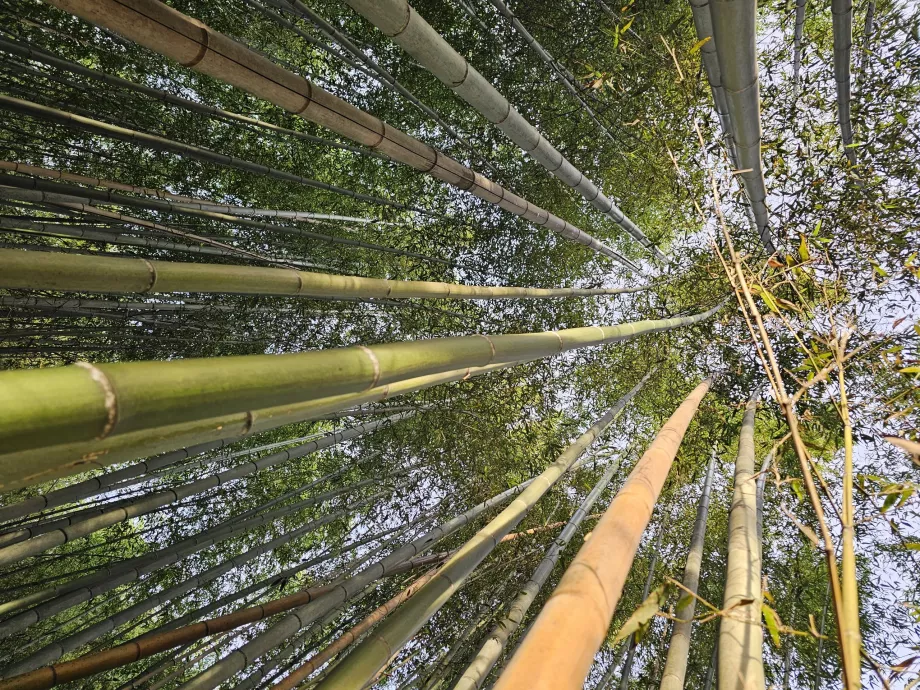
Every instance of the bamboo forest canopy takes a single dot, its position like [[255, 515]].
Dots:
[[477, 343]]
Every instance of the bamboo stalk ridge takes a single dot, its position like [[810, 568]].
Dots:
[[145, 504], [490, 651], [734, 30], [559, 649], [102, 274], [371, 655], [30, 467], [675, 667], [304, 616], [195, 45], [402, 23], [84, 401], [740, 632], [148, 645]]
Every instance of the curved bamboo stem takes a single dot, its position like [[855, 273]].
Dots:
[[197, 46], [559, 650], [402, 23], [86, 401]]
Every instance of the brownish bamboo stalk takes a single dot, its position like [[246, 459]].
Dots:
[[559, 649]]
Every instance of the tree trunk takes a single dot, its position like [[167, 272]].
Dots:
[[741, 634], [675, 669], [560, 648]]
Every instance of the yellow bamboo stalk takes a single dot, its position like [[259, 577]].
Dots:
[[559, 649]]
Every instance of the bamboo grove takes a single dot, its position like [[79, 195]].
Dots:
[[466, 344]]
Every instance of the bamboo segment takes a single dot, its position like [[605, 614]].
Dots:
[[371, 655], [735, 33], [797, 40], [76, 273], [559, 649], [402, 23], [489, 653], [86, 401], [740, 632], [675, 668], [197, 46], [842, 12]]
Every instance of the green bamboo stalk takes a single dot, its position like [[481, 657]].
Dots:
[[487, 656], [675, 668], [86, 401], [741, 634], [195, 45], [53, 271], [408, 29], [361, 665], [842, 13]]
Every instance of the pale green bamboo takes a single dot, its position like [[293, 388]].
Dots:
[[195, 45], [675, 668], [86, 401], [487, 656], [409, 30], [361, 665], [741, 634], [65, 459], [74, 273]]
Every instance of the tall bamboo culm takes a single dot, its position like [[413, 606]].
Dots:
[[195, 45], [675, 668], [559, 649], [740, 632], [83, 402], [403, 24], [372, 654]]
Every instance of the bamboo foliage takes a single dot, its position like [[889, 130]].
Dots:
[[52, 271], [371, 655], [490, 651], [194, 45], [675, 668], [734, 30], [740, 633], [86, 401], [402, 23], [559, 649]]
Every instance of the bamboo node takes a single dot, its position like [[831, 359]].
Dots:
[[205, 43], [491, 345], [374, 362], [109, 400], [153, 276]]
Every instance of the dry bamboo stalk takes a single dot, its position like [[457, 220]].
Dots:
[[559, 649], [195, 45], [402, 23], [87, 401], [54, 271]]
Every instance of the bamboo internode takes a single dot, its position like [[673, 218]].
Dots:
[[86, 401], [49, 271], [402, 23], [559, 649], [195, 45]]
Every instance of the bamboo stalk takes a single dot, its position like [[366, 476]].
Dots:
[[371, 655], [197, 46], [403, 24], [734, 28], [675, 668], [842, 13], [740, 632], [86, 401], [490, 651], [559, 650], [799, 31], [52, 271]]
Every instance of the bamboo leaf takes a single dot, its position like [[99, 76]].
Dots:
[[699, 45], [639, 621], [771, 618], [803, 249]]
